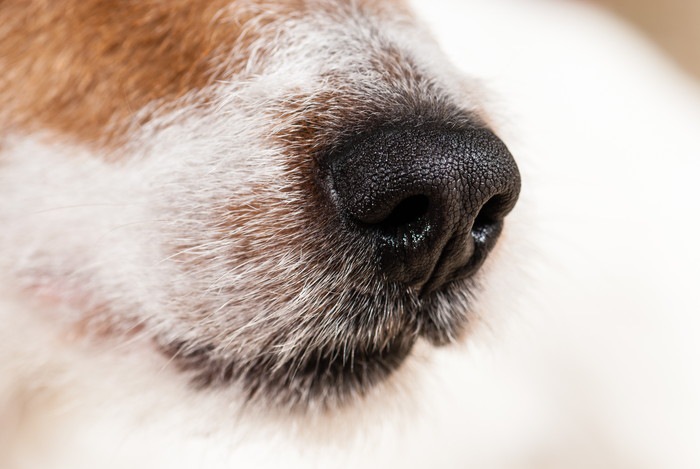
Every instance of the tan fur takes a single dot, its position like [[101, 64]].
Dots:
[[78, 66], [83, 68]]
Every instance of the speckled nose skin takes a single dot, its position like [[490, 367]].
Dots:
[[431, 200]]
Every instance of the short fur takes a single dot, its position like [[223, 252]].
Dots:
[[259, 284], [176, 291]]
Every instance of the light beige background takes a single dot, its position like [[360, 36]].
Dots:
[[674, 24]]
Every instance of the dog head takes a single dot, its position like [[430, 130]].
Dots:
[[283, 196]]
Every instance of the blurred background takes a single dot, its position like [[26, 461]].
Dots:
[[673, 24]]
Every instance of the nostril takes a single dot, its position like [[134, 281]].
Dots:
[[407, 212], [489, 218], [489, 212]]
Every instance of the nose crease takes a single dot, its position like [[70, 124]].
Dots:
[[431, 200]]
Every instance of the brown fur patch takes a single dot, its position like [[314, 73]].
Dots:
[[83, 68]]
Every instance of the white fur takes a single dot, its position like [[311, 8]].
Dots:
[[590, 359]]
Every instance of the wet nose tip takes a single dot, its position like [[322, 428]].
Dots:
[[432, 200]]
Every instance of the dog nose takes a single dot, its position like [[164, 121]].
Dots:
[[431, 199]]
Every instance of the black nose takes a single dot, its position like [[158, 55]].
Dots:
[[432, 200]]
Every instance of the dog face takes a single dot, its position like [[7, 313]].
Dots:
[[282, 196]]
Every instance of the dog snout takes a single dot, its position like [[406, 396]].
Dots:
[[431, 200]]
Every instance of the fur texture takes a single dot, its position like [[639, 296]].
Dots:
[[238, 268], [176, 293]]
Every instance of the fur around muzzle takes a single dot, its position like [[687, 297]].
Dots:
[[244, 272]]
